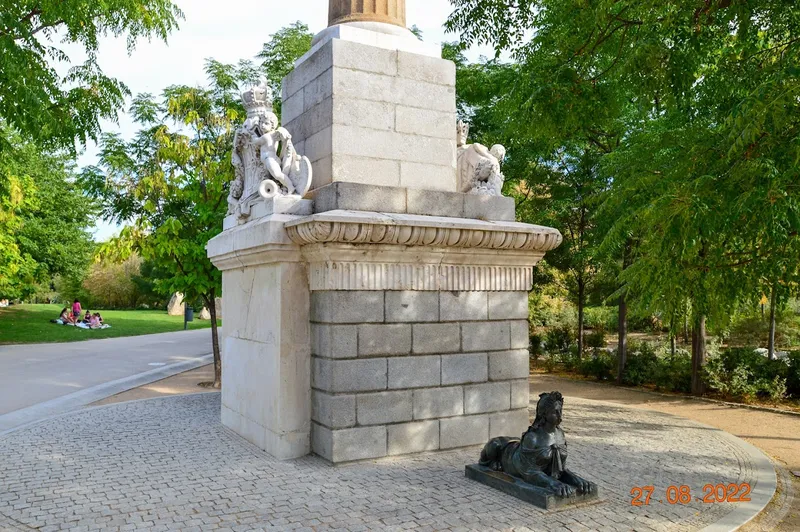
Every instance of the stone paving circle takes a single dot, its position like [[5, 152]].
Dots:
[[168, 464]]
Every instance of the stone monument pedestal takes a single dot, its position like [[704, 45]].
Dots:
[[388, 315], [266, 338], [361, 335]]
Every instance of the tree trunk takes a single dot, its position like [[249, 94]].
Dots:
[[672, 335], [581, 305], [686, 328], [622, 324], [622, 344], [698, 355], [772, 304], [212, 309]]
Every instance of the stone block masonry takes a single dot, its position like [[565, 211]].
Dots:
[[360, 334], [397, 372], [346, 196], [385, 313], [375, 116]]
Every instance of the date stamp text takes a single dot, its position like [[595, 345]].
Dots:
[[712, 493]]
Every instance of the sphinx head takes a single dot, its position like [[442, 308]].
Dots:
[[548, 409]]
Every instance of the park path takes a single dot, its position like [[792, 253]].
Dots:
[[778, 435], [34, 374], [781, 515]]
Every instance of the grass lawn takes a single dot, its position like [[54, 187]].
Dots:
[[27, 324]]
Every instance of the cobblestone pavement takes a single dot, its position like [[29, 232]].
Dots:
[[168, 464]]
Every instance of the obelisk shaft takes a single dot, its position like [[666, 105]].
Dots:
[[387, 11]]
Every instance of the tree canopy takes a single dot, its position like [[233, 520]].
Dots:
[[170, 182], [56, 110], [695, 108], [44, 218], [692, 109]]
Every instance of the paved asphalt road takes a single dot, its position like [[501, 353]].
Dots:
[[31, 374]]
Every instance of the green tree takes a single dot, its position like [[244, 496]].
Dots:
[[44, 218], [171, 181], [55, 110], [110, 285], [694, 108], [149, 277], [565, 194], [553, 185], [147, 285], [16, 269]]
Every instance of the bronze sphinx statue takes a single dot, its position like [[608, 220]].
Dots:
[[539, 457]]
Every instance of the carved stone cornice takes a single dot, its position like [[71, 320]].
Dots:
[[260, 241], [256, 256], [355, 250], [352, 227]]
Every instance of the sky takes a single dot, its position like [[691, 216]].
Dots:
[[227, 31]]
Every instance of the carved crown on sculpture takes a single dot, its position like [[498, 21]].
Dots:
[[257, 100]]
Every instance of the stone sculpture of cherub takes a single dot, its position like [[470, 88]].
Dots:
[[289, 169], [272, 139], [263, 156], [539, 457], [478, 167]]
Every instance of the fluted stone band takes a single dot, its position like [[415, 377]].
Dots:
[[387, 11]]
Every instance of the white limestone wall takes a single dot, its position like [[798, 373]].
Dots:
[[266, 362], [266, 350], [365, 114]]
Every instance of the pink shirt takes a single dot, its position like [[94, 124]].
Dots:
[[76, 308]]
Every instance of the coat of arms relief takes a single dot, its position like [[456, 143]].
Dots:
[[265, 162]]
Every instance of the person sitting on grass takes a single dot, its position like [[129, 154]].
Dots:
[[67, 317], [87, 316], [94, 321]]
